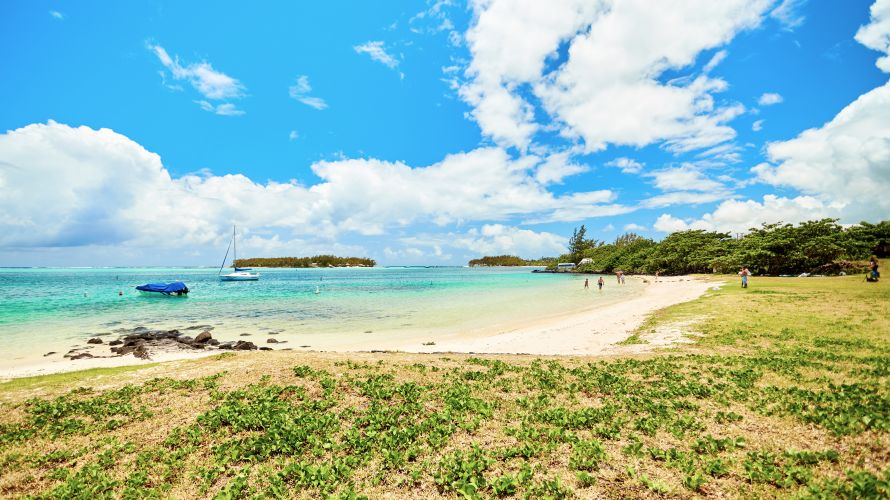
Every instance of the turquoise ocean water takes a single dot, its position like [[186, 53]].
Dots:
[[51, 309]]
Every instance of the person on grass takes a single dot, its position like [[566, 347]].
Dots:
[[744, 273]]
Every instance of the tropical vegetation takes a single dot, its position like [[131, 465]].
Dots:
[[820, 246], [511, 260], [317, 261]]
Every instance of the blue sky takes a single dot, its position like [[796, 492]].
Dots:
[[429, 132]]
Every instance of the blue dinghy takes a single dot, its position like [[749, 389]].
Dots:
[[175, 288]]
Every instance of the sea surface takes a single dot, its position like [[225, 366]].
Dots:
[[52, 309]]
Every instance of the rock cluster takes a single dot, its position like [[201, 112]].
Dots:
[[142, 343]]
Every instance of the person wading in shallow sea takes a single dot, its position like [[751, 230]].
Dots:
[[600, 283], [586, 284]]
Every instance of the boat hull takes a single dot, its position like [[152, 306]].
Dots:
[[161, 294], [239, 277]]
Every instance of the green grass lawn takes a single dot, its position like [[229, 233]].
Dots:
[[784, 394]]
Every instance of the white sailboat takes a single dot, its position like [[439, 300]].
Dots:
[[237, 274]]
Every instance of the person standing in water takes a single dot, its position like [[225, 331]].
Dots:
[[586, 284], [600, 283]]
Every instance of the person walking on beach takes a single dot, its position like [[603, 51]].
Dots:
[[586, 284], [622, 278], [744, 273], [600, 283]]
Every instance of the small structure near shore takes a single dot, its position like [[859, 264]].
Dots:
[[565, 266]]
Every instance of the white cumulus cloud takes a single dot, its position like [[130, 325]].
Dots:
[[496, 239], [607, 91], [738, 216], [76, 186], [627, 165], [846, 162], [769, 98], [876, 34]]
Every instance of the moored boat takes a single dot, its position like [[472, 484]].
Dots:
[[176, 288], [237, 274]]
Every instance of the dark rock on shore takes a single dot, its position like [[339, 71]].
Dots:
[[78, 355], [203, 337], [50, 353], [243, 345], [142, 342], [141, 352]]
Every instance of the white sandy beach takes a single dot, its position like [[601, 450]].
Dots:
[[590, 332]]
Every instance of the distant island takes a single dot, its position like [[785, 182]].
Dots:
[[317, 261], [510, 260]]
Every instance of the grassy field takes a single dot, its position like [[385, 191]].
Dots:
[[784, 394]]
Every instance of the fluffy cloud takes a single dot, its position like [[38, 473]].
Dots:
[[757, 126], [684, 185], [627, 165], [510, 42], [496, 239], [56, 14], [608, 90], [300, 92], [685, 177], [876, 34], [735, 216], [769, 98], [557, 167], [634, 227], [66, 186], [845, 163], [209, 82]]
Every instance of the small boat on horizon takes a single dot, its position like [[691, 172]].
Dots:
[[237, 274], [175, 288]]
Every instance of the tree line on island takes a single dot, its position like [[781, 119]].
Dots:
[[317, 261], [511, 260], [819, 247]]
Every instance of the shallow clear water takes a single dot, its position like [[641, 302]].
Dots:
[[52, 308]]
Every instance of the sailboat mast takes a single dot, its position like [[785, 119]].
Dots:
[[235, 248]]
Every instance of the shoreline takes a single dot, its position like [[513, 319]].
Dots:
[[593, 331]]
